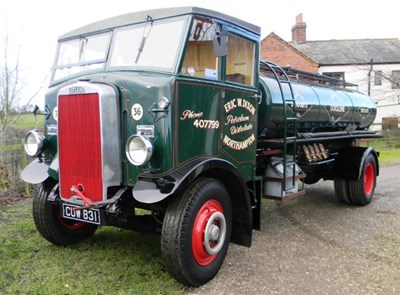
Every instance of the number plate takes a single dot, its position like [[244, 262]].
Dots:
[[86, 215]]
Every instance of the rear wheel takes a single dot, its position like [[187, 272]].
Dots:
[[196, 232], [342, 190], [362, 190], [51, 225]]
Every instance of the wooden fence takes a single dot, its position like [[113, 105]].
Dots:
[[12, 160]]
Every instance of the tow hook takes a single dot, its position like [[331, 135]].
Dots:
[[87, 201]]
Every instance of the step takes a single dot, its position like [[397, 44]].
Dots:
[[286, 197], [288, 177]]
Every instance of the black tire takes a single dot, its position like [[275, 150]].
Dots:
[[342, 190], [51, 225], [362, 190], [184, 250]]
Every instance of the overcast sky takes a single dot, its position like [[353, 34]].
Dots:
[[36, 24]]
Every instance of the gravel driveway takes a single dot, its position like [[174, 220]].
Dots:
[[315, 245]]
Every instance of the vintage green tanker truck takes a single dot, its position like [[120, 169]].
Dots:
[[171, 111]]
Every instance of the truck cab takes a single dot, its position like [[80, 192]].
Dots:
[[154, 110]]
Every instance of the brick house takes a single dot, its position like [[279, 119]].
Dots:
[[283, 53], [372, 64]]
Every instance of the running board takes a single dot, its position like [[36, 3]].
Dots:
[[298, 190], [286, 196]]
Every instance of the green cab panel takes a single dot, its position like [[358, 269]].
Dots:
[[198, 120], [239, 129], [214, 120]]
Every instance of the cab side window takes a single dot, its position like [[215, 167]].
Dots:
[[240, 60], [200, 60]]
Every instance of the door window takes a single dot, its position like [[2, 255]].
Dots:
[[200, 60]]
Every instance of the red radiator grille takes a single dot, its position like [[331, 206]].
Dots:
[[79, 140]]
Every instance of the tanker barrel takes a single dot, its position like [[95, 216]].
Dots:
[[318, 108]]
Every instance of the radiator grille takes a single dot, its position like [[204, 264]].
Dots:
[[79, 140]]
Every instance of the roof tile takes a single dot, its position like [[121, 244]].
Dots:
[[359, 51]]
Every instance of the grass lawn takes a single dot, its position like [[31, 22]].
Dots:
[[113, 261], [389, 156], [388, 147], [28, 121]]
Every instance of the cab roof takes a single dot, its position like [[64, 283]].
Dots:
[[139, 17]]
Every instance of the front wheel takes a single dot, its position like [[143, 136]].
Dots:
[[51, 225], [196, 232]]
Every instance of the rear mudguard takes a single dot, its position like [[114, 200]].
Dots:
[[155, 189], [350, 162]]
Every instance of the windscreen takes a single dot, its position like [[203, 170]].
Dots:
[[155, 45], [148, 45], [81, 54]]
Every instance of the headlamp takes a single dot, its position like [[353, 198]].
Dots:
[[138, 150]]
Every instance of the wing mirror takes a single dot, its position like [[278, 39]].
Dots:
[[220, 42]]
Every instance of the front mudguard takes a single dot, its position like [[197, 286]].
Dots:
[[155, 189], [38, 171]]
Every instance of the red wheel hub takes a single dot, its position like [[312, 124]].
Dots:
[[70, 224], [369, 179], [209, 232]]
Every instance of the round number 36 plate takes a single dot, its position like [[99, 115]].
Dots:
[[137, 112]]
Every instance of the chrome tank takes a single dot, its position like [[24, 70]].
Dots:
[[318, 108]]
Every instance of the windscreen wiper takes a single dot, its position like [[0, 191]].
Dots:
[[144, 37]]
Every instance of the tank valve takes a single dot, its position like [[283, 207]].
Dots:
[[315, 152]]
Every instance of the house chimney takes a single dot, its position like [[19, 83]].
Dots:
[[299, 30]]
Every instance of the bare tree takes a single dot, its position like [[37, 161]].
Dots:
[[10, 110], [10, 88], [392, 78], [9, 85]]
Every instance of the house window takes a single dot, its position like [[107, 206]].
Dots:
[[395, 79], [378, 78], [336, 75]]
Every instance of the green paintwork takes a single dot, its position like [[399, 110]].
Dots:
[[199, 121], [198, 108], [132, 88], [318, 108], [239, 133], [145, 90], [215, 120]]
